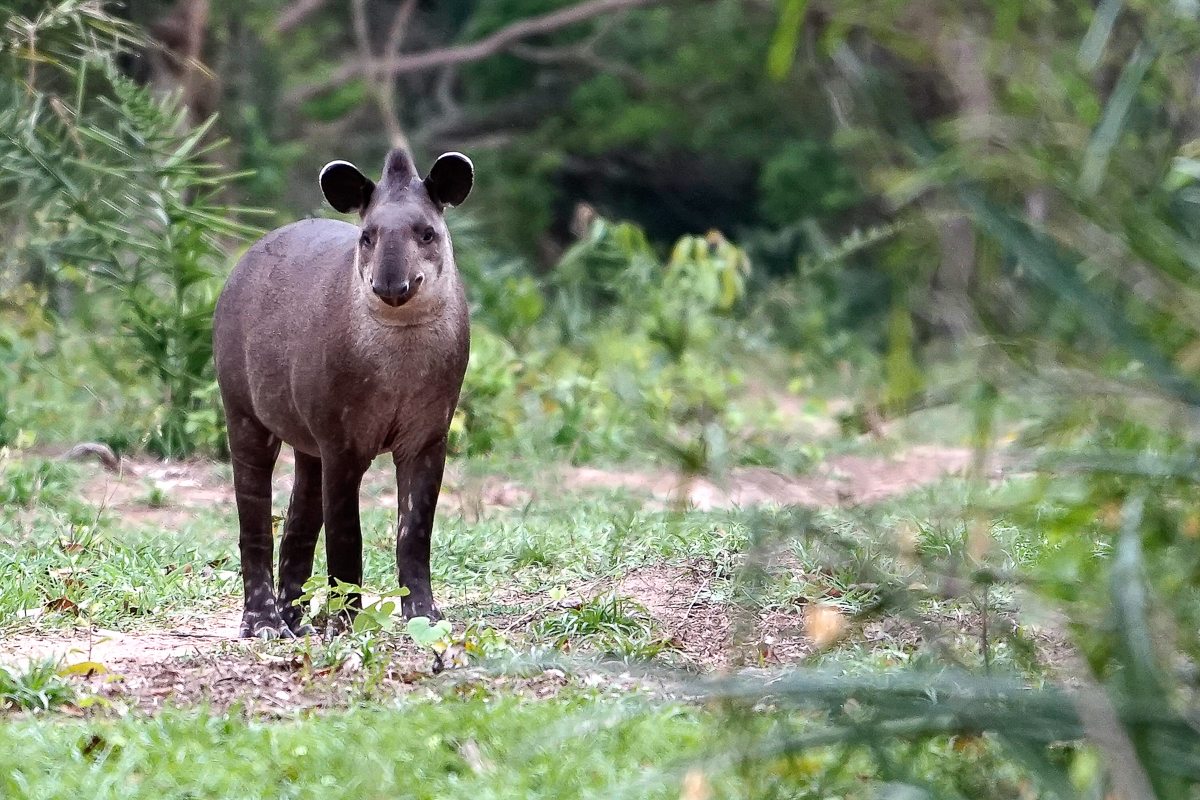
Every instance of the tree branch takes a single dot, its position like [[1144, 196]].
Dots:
[[583, 53], [490, 45], [382, 85], [296, 13]]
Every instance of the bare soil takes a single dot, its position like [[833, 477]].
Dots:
[[200, 659], [841, 480]]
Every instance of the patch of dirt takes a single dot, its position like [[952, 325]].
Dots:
[[260, 687], [714, 635], [182, 487], [163, 494], [841, 480], [166, 494], [201, 660], [195, 637]]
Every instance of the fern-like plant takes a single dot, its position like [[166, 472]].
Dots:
[[106, 188]]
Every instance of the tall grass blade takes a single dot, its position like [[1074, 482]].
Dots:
[[1098, 33], [1112, 120]]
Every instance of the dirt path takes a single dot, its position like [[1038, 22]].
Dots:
[[841, 480]]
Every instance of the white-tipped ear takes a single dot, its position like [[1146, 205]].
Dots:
[[456, 154], [450, 179], [345, 187]]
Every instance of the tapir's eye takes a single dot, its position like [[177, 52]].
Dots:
[[427, 234], [365, 239]]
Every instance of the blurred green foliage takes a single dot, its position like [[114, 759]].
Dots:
[[618, 354], [106, 189], [1069, 158], [1019, 178]]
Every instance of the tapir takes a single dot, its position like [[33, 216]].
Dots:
[[346, 342]]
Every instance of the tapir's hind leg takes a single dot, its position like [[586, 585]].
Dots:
[[300, 532], [254, 449]]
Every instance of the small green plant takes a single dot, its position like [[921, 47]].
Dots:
[[428, 634], [38, 687], [157, 496], [435, 637], [29, 481], [610, 624], [326, 604]]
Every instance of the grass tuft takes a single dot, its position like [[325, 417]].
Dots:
[[38, 687]]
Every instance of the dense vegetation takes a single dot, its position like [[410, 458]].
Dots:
[[689, 216]]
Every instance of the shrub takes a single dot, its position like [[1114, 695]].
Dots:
[[107, 187]]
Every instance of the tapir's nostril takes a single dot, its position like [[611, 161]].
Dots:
[[417, 281]]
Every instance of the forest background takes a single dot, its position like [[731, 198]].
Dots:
[[694, 223]]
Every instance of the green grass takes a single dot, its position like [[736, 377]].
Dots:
[[37, 687], [476, 747], [114, 574], [612, 625], [474, 743], [479, 734]]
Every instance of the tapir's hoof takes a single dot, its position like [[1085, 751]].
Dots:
[[261, 626], [292, 620], [420, 608]]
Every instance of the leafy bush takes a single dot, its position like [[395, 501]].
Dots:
[[628, 350], [107, 187]]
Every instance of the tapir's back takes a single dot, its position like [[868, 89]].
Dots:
[[283, 272], [286, 281]]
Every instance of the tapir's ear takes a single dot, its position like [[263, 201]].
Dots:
[[345, 187], [449, 180]]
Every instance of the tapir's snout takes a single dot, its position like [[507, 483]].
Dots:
[[397, 293]]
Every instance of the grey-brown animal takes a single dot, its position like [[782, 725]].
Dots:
[[345, 341]]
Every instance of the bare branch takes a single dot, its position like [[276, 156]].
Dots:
[[382, 87], [296, 13], [399, 28], [362, 38], [583, 53], [497, 42]]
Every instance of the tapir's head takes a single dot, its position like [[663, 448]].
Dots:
[[403, 249]]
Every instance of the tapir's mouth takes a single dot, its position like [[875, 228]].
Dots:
[[399, 295], [395, 301]]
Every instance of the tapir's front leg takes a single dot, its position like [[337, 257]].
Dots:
[[418, 482], [341, 477]]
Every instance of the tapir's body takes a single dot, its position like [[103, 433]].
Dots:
[[345, 342], [312, 370]]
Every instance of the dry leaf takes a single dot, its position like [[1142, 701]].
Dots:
[[823, 624], [62, 604]]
